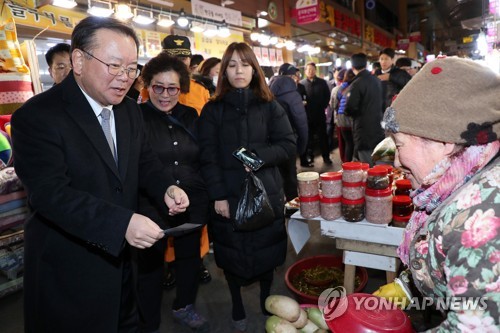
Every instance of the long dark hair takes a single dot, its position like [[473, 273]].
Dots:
[[207, 65], [258, 84]]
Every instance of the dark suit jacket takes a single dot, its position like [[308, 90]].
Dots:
[[81, 203]]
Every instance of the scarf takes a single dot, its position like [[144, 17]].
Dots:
[[446, 177]]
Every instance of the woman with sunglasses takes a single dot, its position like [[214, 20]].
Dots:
[[171, 130]]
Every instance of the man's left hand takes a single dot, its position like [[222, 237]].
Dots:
[[176, 200]]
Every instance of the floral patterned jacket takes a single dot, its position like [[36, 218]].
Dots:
[[456, 257]]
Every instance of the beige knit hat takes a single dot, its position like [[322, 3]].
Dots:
[[450, 100]]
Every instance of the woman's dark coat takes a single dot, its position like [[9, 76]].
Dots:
[[262, 127], [179, 152]]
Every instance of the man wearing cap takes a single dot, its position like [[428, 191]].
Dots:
[[284, 89], [364, 102], [180, 46]]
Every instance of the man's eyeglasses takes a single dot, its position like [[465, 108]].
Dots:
[[172, 91], [116, 70]]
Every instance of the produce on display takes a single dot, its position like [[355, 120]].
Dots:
[[309, 318]]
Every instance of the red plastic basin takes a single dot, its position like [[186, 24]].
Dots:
[[321, 260], [364, 315]]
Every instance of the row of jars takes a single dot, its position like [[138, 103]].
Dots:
[[344, 195]]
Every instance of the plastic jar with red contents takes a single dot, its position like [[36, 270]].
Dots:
[[403, 187], [308, 184], [377, 179], [353, 191], [402, 205], [309, 206], [400, 221], [378, 206], [389, 171], [353, 210], [330, 208], [352, 172], [331, 184]]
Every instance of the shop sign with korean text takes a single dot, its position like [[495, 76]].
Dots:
[[46, 17], [216, 13], [306, 11]]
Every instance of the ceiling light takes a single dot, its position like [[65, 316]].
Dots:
[[261, 13], [64, 3], [100, 8], [290, 45], [182, 20], [273, 40], [254, 35], [261, 23], [224, 30], [210, 30], [196, 27], [165, 20], [280, 44], [123, 11], [225, 3], [143, 17], [163, 3]]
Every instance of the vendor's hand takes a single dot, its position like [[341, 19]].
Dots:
[[176, 200], [222, 208], [142, 232], [394, 293]]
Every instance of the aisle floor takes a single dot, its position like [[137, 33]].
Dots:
[[213, 299]]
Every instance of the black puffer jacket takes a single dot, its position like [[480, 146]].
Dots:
[[242, 120], [178, 150], [398, 78], [284, 89], [364, 102]]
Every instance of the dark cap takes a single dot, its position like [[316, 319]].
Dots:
[[175, 45], [287, 69]]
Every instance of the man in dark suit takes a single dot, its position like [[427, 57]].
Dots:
[[318, 97], [82, 181]]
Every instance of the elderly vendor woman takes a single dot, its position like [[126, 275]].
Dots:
[[446, 130]]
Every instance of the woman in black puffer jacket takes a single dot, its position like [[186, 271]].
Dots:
[[243, 113]]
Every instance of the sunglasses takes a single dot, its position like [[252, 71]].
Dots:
[[172, 91]]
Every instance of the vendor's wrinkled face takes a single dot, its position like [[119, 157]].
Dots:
[[417, 156]]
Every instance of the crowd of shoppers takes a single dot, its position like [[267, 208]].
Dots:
[[169, 161]]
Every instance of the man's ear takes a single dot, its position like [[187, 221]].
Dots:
[[77, 61]]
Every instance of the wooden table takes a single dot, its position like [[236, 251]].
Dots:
[[364, 244]]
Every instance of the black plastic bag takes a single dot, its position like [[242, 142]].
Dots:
[[254, 209]]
